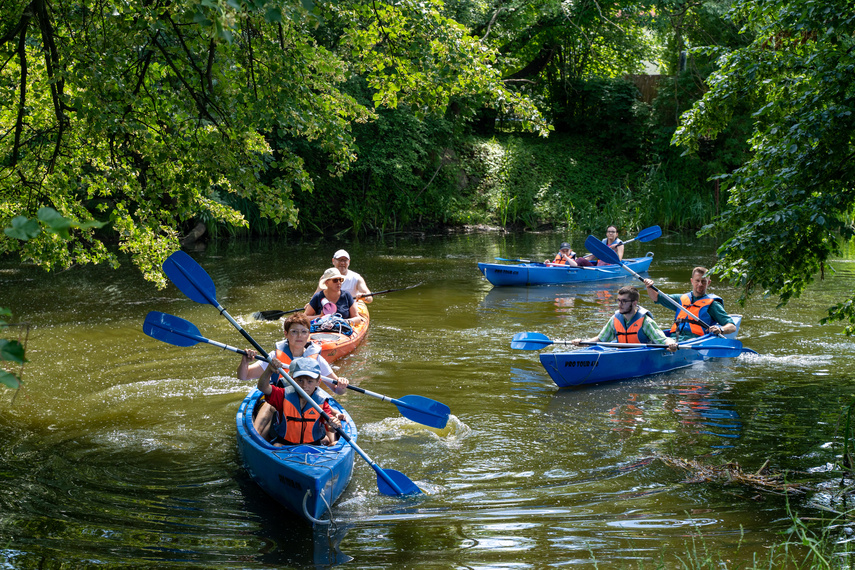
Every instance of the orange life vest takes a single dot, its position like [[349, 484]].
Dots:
[[700, 309], [633, 332], [301, 426], [560, 260]]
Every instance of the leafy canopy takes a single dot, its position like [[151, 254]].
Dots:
[[793, 198], [148, 115]]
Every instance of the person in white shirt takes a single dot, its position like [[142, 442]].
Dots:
[[353, 281]]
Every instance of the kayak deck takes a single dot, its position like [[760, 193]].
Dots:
[[596, 364], [502, 275], [306, 479], [336, 345]]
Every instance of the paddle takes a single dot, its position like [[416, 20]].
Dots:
[[647, 234], [607, 254], [719, 347], [519, 260], [179, 332], [194, 282], [274, 315]]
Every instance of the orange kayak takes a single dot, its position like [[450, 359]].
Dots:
[[335, 345]]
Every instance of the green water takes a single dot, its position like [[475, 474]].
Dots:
[[120, 450]]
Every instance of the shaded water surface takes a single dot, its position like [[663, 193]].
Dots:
[[120, 451]]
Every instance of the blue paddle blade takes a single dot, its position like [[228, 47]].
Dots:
[[720, 348], [190, 278], [423, 410], [170, 329], [403, 482], [649, 234], [530, 341], [601, 250]]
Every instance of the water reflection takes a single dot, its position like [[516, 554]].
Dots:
[[678, 403], [122, 450]]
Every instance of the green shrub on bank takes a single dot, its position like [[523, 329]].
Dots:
[[609, 162]]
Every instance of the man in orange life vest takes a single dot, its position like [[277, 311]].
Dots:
[[631, 324], [299, 422], [707, 307]]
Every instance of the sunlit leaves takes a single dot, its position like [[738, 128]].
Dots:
[[793, 198]]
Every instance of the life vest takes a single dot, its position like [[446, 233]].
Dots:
[[560, 260], [700, 308], [283, 353], [301, 426], [633, 332]]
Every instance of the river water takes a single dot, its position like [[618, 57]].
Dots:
[[120, 450]]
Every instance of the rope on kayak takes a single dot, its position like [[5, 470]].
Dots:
[[306, 511]]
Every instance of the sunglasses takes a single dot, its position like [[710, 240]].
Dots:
[[337, 280]]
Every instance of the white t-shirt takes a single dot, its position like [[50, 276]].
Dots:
[[351, 282], [313, 348]]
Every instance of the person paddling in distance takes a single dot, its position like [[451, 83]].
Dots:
[[330, 298], [630, 324], [566, 256], [613, 241], [707, 307], [353, 281], [298, 422]]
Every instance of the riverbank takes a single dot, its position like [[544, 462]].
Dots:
[[513, 181]]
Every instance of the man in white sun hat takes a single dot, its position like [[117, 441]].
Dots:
[[353, 281]]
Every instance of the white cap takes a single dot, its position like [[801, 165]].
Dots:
[[341, 253]]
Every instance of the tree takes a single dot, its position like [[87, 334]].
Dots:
[[793, 198], [148, 115]]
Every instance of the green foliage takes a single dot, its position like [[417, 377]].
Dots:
[[567, 180], [24, 228], [790, 200], [609, 112], [158, 116], [10, 351]]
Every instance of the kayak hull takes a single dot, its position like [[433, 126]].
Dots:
[[502, 275], [336, 345], [596, 364], [305, 479]]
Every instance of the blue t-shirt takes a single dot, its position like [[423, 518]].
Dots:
[[342, 306]]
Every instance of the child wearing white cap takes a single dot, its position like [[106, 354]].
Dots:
[[299, 422]]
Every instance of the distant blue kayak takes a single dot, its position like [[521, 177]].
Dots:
[[595, 364], [544, 274], [306, 479]]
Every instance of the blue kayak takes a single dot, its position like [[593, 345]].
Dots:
[[306, 479], [595, 364], [532, 273]]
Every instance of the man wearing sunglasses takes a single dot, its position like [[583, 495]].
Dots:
[[631, 324]]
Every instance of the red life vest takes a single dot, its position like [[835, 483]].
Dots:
[[631, 333], [700, 309]]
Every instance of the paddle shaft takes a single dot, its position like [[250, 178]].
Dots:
[[273, 315], [179, 332], [602, 251], [177, 262], [326, 379]]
